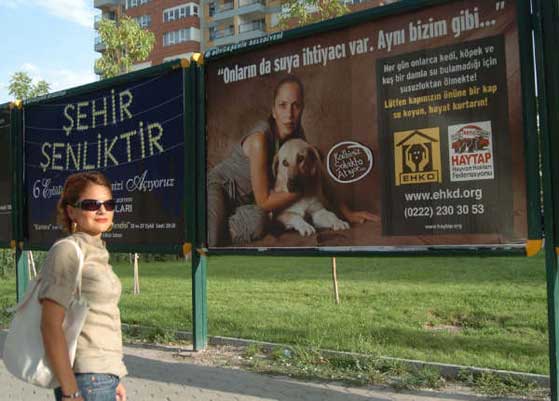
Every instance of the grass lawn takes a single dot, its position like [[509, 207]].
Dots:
[[487, 312]]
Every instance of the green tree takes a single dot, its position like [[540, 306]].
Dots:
[[126, 43], [22, 86], [303, 12]]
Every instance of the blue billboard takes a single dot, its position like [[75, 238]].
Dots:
[[134, 133]]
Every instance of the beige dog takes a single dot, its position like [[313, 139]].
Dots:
[[297, 168]]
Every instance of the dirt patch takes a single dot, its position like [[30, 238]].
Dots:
[[220, 356]]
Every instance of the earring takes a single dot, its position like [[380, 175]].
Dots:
[[74, 227], [110, 228]]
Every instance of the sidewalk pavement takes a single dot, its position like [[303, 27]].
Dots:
[[156, 374]]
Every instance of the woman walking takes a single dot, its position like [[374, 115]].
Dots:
[[85, 210]]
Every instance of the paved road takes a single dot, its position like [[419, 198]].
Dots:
[[156, 374]]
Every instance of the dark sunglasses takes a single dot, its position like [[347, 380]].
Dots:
[[92, 205]]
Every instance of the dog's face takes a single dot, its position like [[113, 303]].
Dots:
[[296, 165]]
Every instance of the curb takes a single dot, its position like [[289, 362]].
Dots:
[[446, 370]]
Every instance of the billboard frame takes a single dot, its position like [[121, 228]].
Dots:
[[10, 107], [529, 111], [188, 131], [546, 34]]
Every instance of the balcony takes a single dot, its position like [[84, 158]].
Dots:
[[224, 11], [252, 26], [107, 3], [227, 10], [225, 7], [99, 45], [99, 17], [96, 20], [97, 70], [223, 37], [251, 6], [251, 30]]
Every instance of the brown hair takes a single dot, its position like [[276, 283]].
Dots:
[[73, 188]]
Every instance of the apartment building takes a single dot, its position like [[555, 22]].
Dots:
[[175, 23], [231, 21], [183, 27]]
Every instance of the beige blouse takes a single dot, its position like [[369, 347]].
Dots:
[[99, 347]]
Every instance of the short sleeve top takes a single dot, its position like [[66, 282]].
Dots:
[[99, 348]]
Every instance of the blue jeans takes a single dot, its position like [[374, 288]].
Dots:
[[94, 387]]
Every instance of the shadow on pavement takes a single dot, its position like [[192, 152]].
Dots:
[[235, 382], [157, 372], [246, 384]]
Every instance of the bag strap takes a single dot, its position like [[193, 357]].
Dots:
[[80, 264], [29, 294]]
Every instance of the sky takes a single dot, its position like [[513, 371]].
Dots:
[[49, 39]]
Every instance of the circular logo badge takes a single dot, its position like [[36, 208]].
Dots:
[[349, 161]]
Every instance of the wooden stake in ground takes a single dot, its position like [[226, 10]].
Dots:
[[335, 280], [136, 276]]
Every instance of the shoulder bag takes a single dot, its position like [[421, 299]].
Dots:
[[24, 353]]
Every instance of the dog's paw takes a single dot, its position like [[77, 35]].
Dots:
[[326, 219], [304, 228], [340, 225]]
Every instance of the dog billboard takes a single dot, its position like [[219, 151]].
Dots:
[[399, 131], [5, 176], [134, 132]]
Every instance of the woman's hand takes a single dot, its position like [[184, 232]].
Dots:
[[359, 217], [120, 392]]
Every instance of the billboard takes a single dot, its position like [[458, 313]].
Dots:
[[400, 131], [133, 132], [5, 176]]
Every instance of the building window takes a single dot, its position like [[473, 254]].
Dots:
[[256, 25], [182, 35], [211, 9], [135, 3], [245, 3], [144, 21], [223, 33], [178, 12]]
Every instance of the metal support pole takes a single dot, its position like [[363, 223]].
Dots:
[[552, 317], [546, 36], [21, 259], [199, 301], [22, 272]]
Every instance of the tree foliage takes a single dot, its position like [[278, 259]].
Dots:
[[22, 86], [126, 43], [303, 12]]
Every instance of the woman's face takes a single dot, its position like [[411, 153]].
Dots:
[[288, 109], [93, 222]]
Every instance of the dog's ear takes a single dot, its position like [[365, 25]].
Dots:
[[275, 165], [314, 153]]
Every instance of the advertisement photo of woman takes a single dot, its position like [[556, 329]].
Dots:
[[241, 193]]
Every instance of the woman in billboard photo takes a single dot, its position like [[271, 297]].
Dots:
[[85, 211], [241, 188]]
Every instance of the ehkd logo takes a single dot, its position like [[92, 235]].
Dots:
[[417, 156]]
